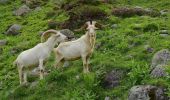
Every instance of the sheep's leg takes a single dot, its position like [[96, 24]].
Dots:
[[84, 64], [25, 77], [58, 62], [41, 68], [20, 74], [87, 65]]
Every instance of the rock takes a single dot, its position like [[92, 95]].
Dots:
[[148, 48], [113, 78], [66, 64], [68, 33], [34, 3], [164, 35], [160, 94], [158, 71], [164, 32], [4, 1], [38, 9], [98, 45], [22, 10], [14, 50], [77, 77], [3, 42], [107, 98], [147, 92], [164, 12], [138, 93], [162, 57], [36, 72], [114, 26], [14, 30]]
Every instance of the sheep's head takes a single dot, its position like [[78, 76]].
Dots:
[[91, 26], [59, 37]]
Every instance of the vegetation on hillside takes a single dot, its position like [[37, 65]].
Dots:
[[120, 45]]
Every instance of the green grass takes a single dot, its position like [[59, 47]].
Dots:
[[113, 54]]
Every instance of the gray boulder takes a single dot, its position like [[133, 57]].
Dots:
[[114, 26], [164, 12], [138, 93], [158, 71], [148, 48], [164, 35], [162, 57], [22, 10], [147, 92], [113, 78], [14, 30], [37, 9], [36, 72], [164, 32], [3, 42], [68, 33], [4, 1]]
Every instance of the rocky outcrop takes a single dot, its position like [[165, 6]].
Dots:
[[147, 92], [22, 10], [113, 78], [159, 71], [13, 30], [162, 57], [68, 33], [159, 62], [3, 42], [4, 1]]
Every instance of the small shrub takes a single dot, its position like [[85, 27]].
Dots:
[[79, 15], [50, 14], [129, 12], [151, 27], [52, 24], [34, 3], [91, 2]]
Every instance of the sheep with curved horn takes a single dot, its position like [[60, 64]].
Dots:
[[36, 56]]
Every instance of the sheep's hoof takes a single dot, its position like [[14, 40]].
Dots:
[[24, 84], [85, 71]]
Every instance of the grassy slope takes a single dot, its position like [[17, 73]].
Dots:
[[113, 53]]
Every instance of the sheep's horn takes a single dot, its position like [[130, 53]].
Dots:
[[82, 28], [47, 33]]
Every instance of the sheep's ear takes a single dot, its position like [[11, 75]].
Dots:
[[98, 26]]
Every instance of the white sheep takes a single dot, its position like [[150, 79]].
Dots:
[[36, 56], [80, 48]]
